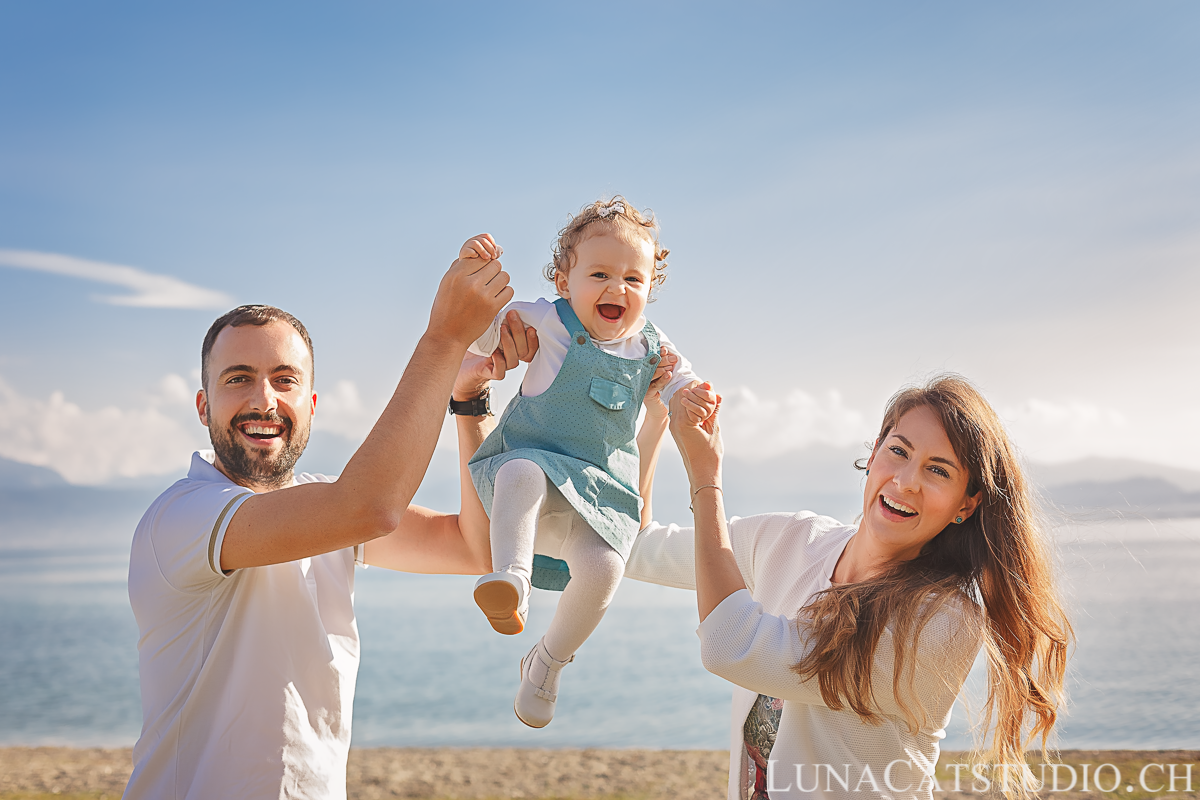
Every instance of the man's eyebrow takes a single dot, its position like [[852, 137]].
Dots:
[[938, 459], [247, 368]]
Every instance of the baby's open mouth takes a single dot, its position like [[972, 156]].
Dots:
[[611, 312]]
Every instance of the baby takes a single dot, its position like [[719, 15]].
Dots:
[[564, 451]]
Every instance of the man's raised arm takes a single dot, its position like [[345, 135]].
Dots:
[[372, 495], [429, 541]]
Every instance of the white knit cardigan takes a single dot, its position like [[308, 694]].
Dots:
[[752, 640]]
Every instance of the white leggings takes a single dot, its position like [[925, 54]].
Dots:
[[530, 515]]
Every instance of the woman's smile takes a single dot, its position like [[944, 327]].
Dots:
[[894, 508]]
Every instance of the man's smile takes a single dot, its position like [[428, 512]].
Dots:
[[262, 431]]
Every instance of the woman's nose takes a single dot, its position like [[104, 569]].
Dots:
[[906, 478]]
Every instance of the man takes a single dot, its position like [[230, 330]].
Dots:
[[241, 575]]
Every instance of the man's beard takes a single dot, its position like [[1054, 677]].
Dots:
[[258, 469]]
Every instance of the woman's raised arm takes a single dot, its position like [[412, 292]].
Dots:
[[697, 432]]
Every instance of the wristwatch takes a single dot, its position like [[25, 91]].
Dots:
[[478, 407]]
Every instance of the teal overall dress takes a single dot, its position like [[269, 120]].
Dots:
[[582, 433]]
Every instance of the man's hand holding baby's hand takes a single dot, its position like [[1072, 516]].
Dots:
[[483, 247], [471, 293]]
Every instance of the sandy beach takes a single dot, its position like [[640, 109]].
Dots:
[[35, 773]]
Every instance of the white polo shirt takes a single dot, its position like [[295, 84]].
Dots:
[[247, 678]]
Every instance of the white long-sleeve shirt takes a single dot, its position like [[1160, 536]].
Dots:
[[554, 340], [752, 639]]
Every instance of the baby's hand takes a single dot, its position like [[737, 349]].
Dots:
[[482, 247], [655, 409]]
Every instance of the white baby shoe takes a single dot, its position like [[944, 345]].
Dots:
[[504, 599], [539, 686]]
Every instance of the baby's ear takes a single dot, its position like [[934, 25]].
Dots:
[[560, 284]]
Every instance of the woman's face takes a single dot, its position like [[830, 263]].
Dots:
[[915, 486]]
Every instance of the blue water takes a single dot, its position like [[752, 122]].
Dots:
[[433, 672]]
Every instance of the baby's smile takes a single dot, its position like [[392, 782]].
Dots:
[[611, 311]]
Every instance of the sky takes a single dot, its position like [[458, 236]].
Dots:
[[856, 196]]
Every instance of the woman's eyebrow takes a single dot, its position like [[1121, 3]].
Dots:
[[948, 462]]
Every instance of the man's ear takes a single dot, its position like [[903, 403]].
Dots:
[[202, 407], [313, 409]]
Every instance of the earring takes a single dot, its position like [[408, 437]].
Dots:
[[958, 520], [868, 472]]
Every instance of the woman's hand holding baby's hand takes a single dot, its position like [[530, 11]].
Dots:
[[700, 402], [696, 431]]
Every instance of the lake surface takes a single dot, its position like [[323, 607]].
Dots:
[[434, 673]]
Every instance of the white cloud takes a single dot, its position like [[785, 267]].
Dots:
[[148, 290], [96, 446], [1050, 431], [758, 428], [340, 410]]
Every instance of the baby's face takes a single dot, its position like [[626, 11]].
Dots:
[[609, 285]]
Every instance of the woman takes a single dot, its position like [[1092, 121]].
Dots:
[[850, 643]]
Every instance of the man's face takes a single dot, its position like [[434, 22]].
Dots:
[[259, 404]]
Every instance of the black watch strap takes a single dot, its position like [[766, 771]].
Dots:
[[479, 407]]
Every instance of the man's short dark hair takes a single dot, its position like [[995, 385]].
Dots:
[[249, 315]]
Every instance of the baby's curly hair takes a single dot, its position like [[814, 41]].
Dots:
[[616, 216]]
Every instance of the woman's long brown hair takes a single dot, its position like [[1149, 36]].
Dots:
[[994, 569]]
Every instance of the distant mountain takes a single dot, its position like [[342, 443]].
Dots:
[[820, 479], [1112, 470], [823, 479], [15, 475], [31, 496], [1149, 498], [1118, 487]]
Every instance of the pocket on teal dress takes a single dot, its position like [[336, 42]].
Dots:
[[611, 395]]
